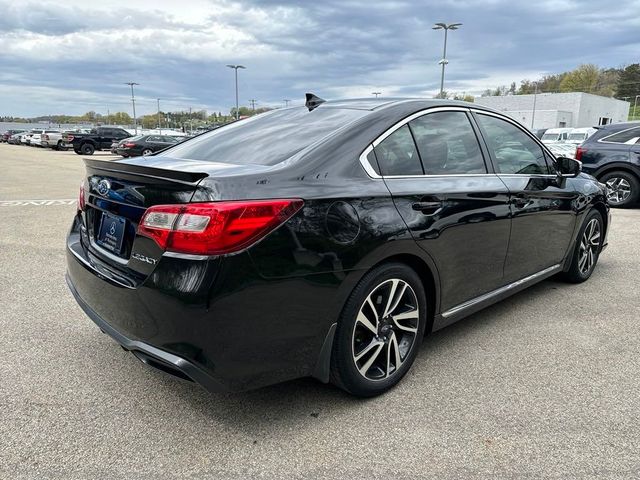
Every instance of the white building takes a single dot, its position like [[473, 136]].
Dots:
[[552, 110]]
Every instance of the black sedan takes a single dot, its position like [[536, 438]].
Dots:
[[325, 241], [145, 144]]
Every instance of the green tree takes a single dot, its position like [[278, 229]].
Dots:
[[628, 84], [585, 78]]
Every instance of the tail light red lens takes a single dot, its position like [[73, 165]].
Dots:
[[81, 201], [579, 152], [215, 228], [129, 145], [69, 138]]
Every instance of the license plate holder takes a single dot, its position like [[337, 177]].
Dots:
[[111, 232]]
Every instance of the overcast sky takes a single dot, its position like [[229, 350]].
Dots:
[[73, 56]]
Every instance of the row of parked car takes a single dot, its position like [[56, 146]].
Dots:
[[86, 141]]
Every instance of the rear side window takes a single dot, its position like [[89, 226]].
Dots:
[[397, 154], [447, 144], [624, 136], [268, 138], [515, 151]]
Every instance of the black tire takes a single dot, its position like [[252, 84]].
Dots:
[[60, 146], [77, 150], [578, 272], [353, 339], [146, 151], [87, 149], [624, 188]]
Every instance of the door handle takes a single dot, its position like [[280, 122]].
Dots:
[[427, 207]]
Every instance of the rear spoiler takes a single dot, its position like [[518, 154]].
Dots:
[[141, 170]]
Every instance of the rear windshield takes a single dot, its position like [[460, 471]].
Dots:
[[266, 139], [577, 136], [550, 136]]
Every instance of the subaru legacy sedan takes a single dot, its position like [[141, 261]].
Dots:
[[325, 240]]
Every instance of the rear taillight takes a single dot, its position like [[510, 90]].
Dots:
[[129, 145], [579, 152], [81, 203], [215, 228], [69, 138]]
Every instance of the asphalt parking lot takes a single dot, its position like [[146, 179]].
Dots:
[[544, 384]]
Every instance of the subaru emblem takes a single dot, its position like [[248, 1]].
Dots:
[[103, 187]]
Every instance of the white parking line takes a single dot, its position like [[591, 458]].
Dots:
[[38, 203]]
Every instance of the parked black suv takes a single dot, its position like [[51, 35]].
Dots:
[[612, 155]]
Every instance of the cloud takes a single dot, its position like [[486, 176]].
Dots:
[[71, 56]]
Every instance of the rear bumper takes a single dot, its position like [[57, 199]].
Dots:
[[216, 321], [155, 357]]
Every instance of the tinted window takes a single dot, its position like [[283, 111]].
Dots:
[[623, 137], [513, 149], [167, 139], [447, 144], [154, 139], [397, 154], [268, 138]]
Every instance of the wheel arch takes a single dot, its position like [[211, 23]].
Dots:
[[430, 281], [614, 167]]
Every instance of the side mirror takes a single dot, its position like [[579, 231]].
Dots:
[[568, 167]]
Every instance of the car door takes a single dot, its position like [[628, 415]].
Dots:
[[455, 208], [542, 208]]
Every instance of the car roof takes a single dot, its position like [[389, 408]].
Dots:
[[378, 103], [618, 126]]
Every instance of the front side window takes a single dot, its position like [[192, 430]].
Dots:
[[515, 152], [447, 144], [397, 154]]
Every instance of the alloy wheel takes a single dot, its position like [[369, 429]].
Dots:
[[385, 329], [618, 190], [589, 246]]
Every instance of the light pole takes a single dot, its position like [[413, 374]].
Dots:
[[635, 107], [158, 113], [444, 61], [535, 97], [236, 67], [286, 102], [253, 104], [376, 93], [133, 102]]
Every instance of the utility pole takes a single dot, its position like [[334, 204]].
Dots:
[[236, 67], [253, 104], [108, 117], [635, 107], [444, 61], [133, 102], [535, 97], [376, 93], [286, 102], [190, 123], [158, 113]]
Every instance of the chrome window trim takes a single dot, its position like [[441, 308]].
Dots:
[[604, 139], [370, 171]]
